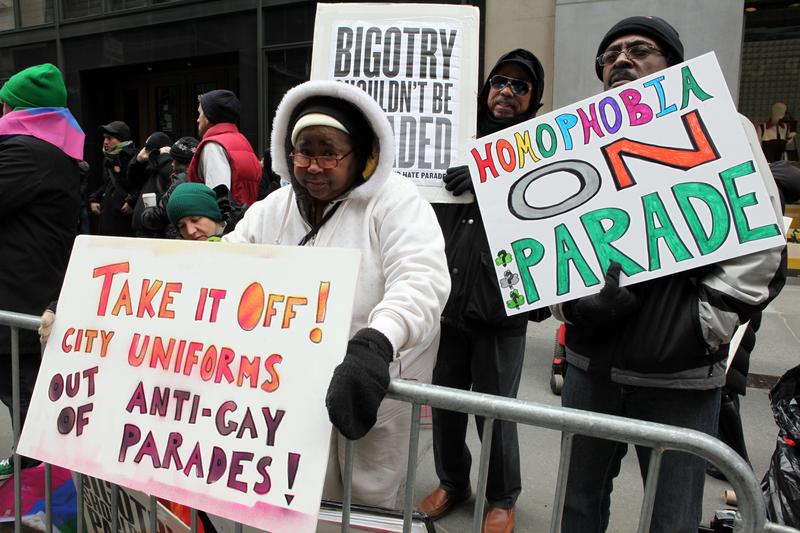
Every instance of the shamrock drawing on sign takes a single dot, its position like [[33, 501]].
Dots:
[[503, 258], [516, 300], [509, 279]]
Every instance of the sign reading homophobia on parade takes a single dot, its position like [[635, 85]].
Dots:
[[420, 63], [657, 174], [170, 373]]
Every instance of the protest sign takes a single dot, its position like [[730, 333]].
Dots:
[[197, 372], [133, 510], [420, 63], [657, 174]]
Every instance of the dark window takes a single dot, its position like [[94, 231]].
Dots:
[[6, 15], [284, 69], [36, 12], [81, 8], [116, 5]]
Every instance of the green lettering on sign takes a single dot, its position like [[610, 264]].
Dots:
[[654, 208], [739, 202], [602, 238], [527, 253], [720, 221], [567, 251], [690, 86]]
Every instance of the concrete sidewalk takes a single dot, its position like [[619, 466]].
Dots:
[[777, 350]]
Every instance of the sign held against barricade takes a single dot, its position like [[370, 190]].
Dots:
[[197, 372], [420, 63], [657, 174]]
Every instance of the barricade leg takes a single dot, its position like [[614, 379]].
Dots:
[[483, 473], [411, 472], [561, 482], [347, 483]]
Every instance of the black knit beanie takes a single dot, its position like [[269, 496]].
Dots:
[[653, 27], [183, 150], [157, 140], [220, 106]]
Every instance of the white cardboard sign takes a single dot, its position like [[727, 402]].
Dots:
[[656, 174], [197, 372], [420, 63]]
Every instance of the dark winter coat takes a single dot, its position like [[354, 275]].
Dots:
[[149, 176], [475, 302], [112, 194], [39, 209]]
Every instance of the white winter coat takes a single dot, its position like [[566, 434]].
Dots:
[[403, 282]]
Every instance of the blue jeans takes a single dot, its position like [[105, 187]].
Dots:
[[596, 462]]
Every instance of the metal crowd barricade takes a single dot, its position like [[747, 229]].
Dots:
[[658, 437]]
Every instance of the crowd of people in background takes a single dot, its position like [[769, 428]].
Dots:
[[332, 146]]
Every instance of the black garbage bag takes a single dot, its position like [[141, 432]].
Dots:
[[781, 483]]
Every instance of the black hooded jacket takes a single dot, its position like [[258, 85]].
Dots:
[[475, 303]]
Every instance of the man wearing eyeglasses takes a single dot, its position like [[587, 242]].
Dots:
[[656, 350], [481, 348]]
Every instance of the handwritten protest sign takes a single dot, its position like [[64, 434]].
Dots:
[[420, 63], [133, 510], [656, 174], [197, 372]]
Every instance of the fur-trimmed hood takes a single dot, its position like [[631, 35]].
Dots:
[[360, 99]]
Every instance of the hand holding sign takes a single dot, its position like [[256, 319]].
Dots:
[[610, 304], [457, 180], [359, 383]]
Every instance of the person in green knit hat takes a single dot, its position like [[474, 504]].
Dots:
[[41, 145], [193, 209]]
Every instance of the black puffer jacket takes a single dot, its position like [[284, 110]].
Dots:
[[475, 302]]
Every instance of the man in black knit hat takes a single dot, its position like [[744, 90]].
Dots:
[[224, 157], [481, 348], [654, 351]]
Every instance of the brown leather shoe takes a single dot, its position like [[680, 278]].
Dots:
[[499, 520], [440, 502]]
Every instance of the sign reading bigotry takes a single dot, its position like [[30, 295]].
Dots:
[[420, 64], [658, 174], [171, 371]]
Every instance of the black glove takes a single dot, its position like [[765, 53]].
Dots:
[[359, 383], [605, 307], [457, 180]]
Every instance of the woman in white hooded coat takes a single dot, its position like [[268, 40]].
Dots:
[[333, 143]]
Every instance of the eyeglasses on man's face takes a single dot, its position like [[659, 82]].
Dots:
[[637, 51], [325, 162], [518, 87]]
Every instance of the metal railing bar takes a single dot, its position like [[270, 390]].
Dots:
[[568, 421], [114, 507], [650, 486], [598, 425], [153, 518], [19, 320], [15, 417], [347, 485], [483, 473], [48, 497], [561, 482], [79, 490], [411, 472]]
